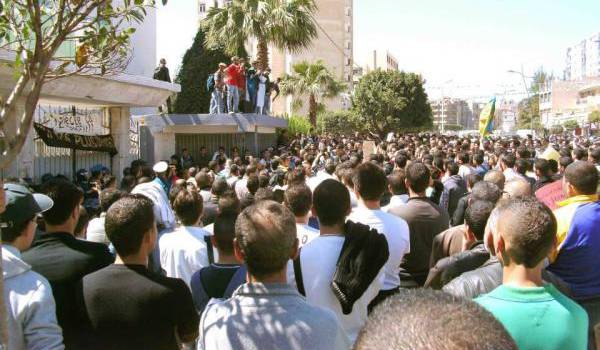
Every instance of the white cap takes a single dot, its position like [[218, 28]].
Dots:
[[160, 167]]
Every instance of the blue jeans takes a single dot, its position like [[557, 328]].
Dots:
[[233, 98], [216, 102]]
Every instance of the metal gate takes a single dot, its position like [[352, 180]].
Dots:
[[57, 160], [212, 142]]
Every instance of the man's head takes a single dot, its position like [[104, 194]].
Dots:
[[452, 168], [369, 182], [219, 187], [108, 197], [526, 231], [517, 188], [224, 232], [265, 238], [542, 168], [18, 221], [68, 198], [130, 226], [581, 178], [396, 182], [404, 322], [476, 217], [328, 192], [485, 191], [298, 199], [508, 161], [521, 166], [496, 177], [188, 207], [417, 177], [594, 156], [203, 181], [163, 62]]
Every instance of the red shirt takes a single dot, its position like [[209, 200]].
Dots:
[[241, 84], [232, 75]]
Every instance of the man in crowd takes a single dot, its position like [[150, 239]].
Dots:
[[217, 105], [369, 185], [535, 314], [298, 199], [95, 231], [30, 308], [423, 319], [507, 164], [183, 251], [455, 187], [317, 262], [213, 281], [266, 241], [397, 187], [578, 237], [126, 306], [543, 173], [232, 78], [425, 221], [63, 259]]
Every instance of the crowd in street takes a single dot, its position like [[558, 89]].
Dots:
[[421, 241], [238, 87]]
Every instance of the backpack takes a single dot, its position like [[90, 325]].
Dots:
[[210, 83]]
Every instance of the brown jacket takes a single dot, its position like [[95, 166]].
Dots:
[[447, 243]]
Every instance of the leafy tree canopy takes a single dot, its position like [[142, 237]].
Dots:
[[386, 101]]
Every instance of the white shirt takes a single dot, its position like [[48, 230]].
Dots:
[[318, 260], [510, 174], [95, 230], [241, 187], [205, 195], [396, 201], [183, 252], [163, 214], [465, 170], [305, 233], [395, 230]]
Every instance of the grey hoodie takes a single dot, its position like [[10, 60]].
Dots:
[[29, 304]]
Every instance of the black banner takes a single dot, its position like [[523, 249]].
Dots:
[[99, 143]]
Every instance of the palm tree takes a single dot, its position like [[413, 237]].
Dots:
[[287, 24], [314, 80]]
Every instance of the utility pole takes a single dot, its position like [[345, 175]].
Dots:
[[522, 74]]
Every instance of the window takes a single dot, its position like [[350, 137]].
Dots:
[[202, 7]]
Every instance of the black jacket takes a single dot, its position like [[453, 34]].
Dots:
[[488, 277], [453, 266], [458, 218]]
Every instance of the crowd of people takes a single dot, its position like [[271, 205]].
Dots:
[[239, 87], [425, 241]]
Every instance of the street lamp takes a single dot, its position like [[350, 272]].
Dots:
[[526, 89]]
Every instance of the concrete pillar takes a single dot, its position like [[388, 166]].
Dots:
[[164, 146], [119, 129]]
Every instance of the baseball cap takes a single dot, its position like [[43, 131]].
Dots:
[[160, 167], [22, 205]]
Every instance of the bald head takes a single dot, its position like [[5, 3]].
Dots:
[[266, 237], [517, 188], [496, 177]]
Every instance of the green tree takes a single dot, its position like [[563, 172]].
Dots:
[[571, 124], [40, 35], [313, 80], [337, 122], [288, 25], [529, 108], [198, 63], [594, 117], [386, 101]]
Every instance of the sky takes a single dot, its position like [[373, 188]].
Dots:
[[464, 46]]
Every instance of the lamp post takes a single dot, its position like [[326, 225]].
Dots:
[[526, 89]]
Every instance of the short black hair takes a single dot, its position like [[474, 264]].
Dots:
[[509, 160], [266, 234], [522, 165], [11, 233], [486, 191], [263, 194], [188, 206], [370, 181], [418, 176], [108, 197], [401, 160], [580, 153], [396, 182], [404, 322], [583, 176], [565, 161], [224, 231], [84, 219], [298, 199], [543, 166], [65, 195], [595, 154], [328, 192], [252, 183], [472, 179], [229, 203], [478, 158], [127, 221], [464, 157], [553, 165], [530, 227], [128, 183], [476, 216], [203, 180], [219, 187]]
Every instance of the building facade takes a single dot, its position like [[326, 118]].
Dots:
[[334, 46], [561, 101], [205, 5], [583, 59], [381, 59], [448, 113]]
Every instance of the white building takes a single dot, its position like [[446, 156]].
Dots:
[[205, 5], [583, 59], [380, 59], [561, 101]]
